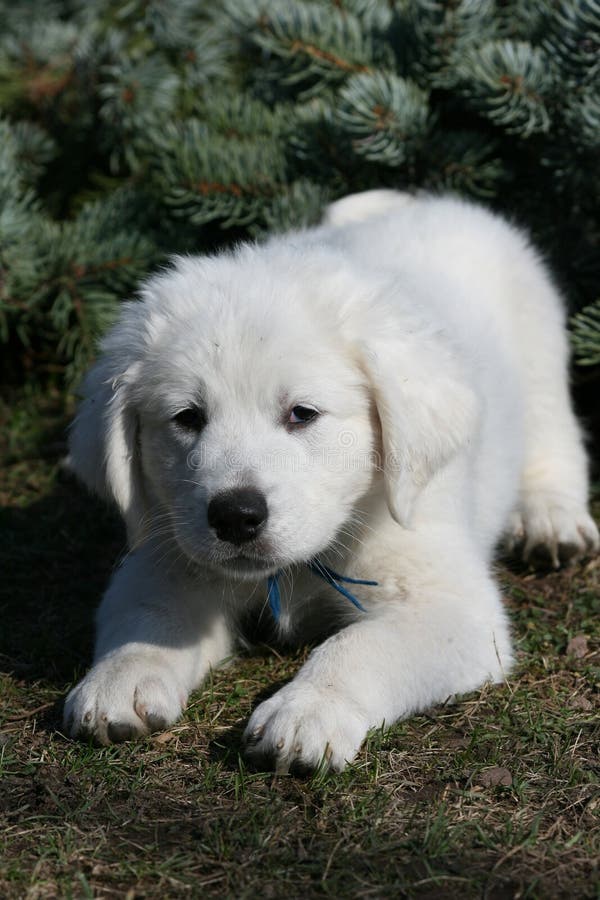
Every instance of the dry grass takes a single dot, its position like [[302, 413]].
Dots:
[[493, 797]]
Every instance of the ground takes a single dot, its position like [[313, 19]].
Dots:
[[495, 796]]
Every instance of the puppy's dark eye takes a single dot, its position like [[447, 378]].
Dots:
[[192, 419], [301, 415]]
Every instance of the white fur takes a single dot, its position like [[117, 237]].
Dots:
[[431, 339]]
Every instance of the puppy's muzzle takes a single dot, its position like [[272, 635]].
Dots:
[[238, 515]]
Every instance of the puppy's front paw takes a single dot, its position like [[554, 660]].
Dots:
[[549, 527], [305, 726], [121, 698]]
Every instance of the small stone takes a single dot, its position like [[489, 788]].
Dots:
[[497, 775], [580, 703], [163, 738], [578, 646]]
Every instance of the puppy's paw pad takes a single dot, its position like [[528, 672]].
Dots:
[[118, 701], [118, 732], [301, 727]]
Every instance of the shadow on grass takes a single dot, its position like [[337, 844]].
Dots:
[[56, 554], [227, 748]]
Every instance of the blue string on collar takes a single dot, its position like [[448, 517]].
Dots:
[[322, 571]]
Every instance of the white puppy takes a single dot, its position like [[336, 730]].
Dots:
[[383, 396]]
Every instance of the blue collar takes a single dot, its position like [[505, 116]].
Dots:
[[322, 571]]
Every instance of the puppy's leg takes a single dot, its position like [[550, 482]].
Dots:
[[551, 519], [434, 631], [155, 643]]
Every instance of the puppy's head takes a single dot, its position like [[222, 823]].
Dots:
[[246, 403]]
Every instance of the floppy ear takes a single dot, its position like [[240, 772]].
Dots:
[[426, 409], [103, 445]]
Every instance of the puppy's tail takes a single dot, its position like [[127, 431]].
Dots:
[[359, 207]]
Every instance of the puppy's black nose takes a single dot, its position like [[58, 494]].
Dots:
[[237, 515]]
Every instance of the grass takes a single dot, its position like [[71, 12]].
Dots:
[[495, 796]]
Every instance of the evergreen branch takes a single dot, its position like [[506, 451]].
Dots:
[[436, 35], [134, 95], [586, 335], [386, 117], [72, 277], [163, 24], [310, 50], [251, 114], [34, 149], [573, 39], [206, 176], [310, 41], [299, 205], [37, 60], [237, 115], [464, 162], [582, 116], [509, 82]]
